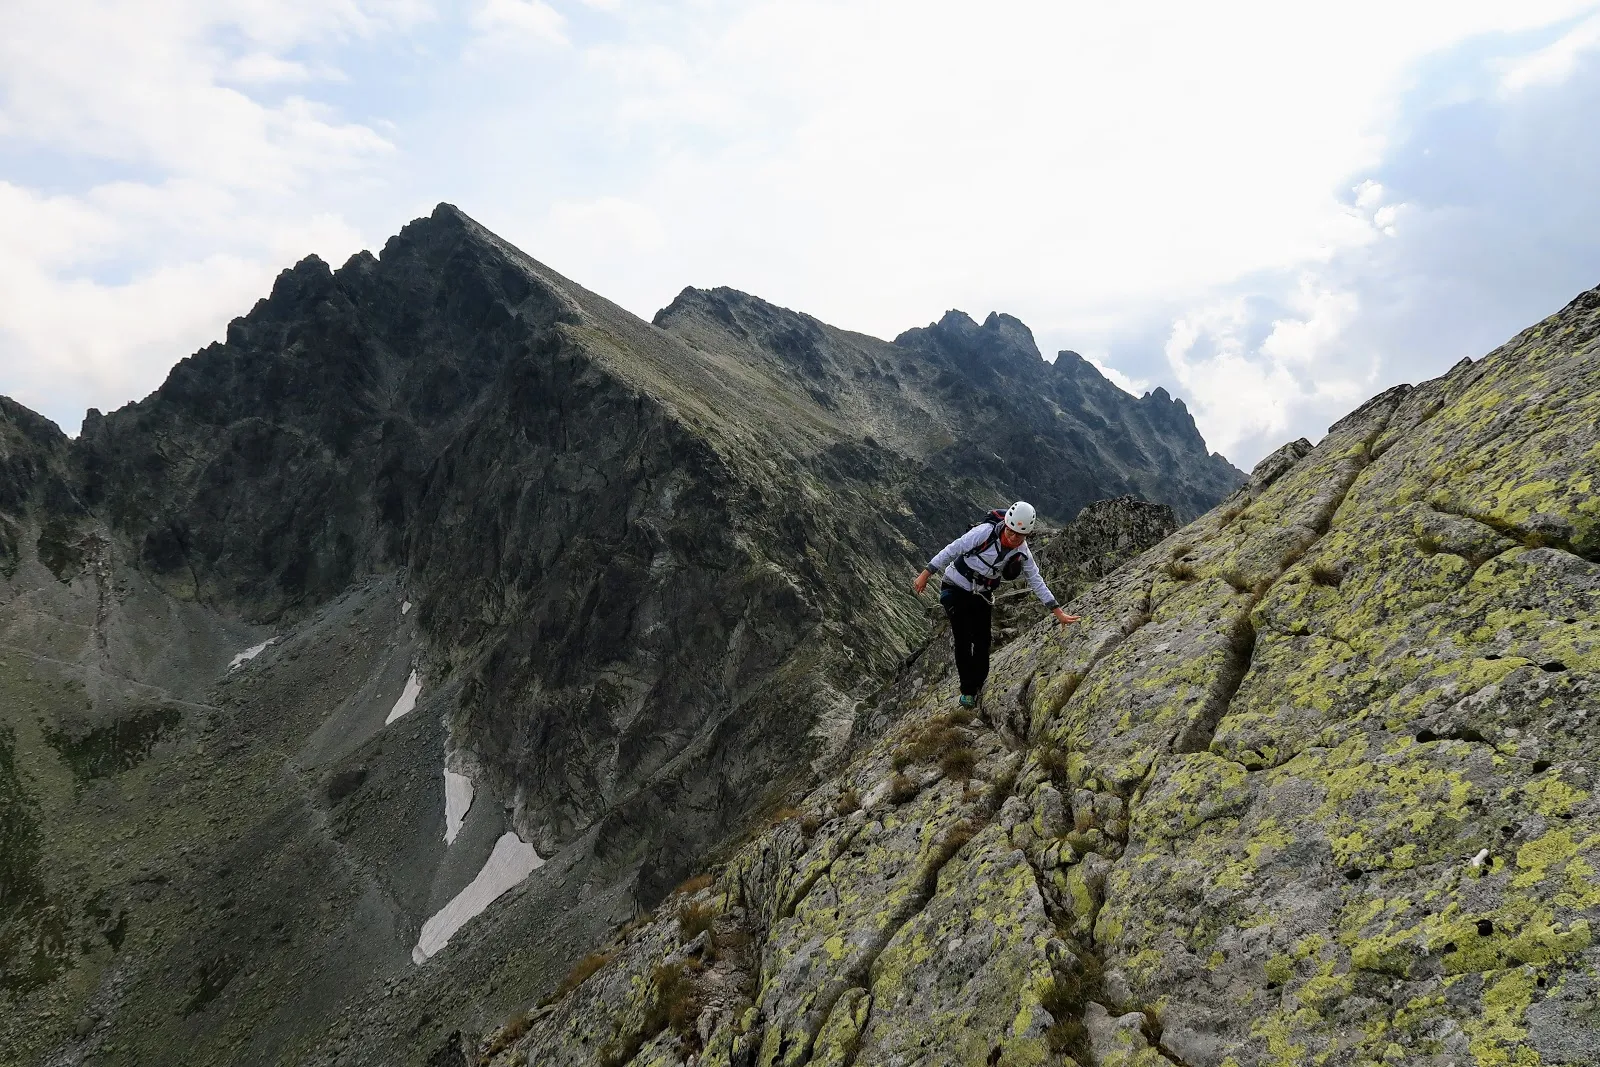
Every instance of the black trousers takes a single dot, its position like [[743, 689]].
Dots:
[[969, 625]]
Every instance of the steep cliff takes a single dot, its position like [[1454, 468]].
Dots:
[[440, 570], [1312, 783]]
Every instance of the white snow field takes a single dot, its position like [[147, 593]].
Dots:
[[511, 861], [407, 701], [250, 653], [457, 802]]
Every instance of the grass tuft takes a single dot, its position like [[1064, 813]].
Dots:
[[941, 734], [1238, 579], [695, 919], [1180, 571], [1327, 575], [690, 886], [677, 1000], [902, 789], [581, 972], [1053, 762], [958, 763], [509, 1035]]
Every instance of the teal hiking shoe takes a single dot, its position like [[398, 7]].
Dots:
[[968, 702]]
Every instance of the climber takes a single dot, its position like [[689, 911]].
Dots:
[[974, 565]]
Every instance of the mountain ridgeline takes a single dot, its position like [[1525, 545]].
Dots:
[[444, 580]]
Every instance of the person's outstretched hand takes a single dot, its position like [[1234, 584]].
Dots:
[[921, 583], [1064, 619]]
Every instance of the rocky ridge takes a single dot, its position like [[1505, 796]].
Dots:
[[1312, 783]]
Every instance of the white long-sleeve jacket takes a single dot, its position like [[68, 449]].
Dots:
[[987, 563]]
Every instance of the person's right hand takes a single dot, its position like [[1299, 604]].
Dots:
[[921, 583]]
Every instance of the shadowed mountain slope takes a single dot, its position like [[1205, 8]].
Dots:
[[436, 558]]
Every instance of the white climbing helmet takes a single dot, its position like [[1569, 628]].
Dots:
[[1021, 517]]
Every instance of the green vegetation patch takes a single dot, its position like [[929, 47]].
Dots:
[[60, 549], [110, 750], [10, 553], [32, 933]]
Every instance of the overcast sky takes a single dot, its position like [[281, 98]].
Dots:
[[1272, 209]]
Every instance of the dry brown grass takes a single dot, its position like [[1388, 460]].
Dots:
[[783, 814], [690, 886], [677, 999], [959, 835], [508, 1035], [958, 763], [941, 734], [1053, 762], [901, 789], [582, 971], [846, 802], [1180, 571], [1325, 574], [695, 919], [1240, 581]]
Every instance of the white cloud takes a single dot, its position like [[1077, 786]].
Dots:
[[259, 68], [1131, 386], [1552, 64], [1247, 390], [516, 21]]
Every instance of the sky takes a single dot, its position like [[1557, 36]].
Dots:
[[1273, 210]]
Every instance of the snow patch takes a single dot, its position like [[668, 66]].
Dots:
[[511, 861], [405, 607], [407, 701], [457, 802], [250, 653]]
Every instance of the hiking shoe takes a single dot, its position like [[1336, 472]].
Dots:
[[968, 702]]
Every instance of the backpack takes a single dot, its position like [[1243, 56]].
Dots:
[[996, 518]]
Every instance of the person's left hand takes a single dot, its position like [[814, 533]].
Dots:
[[1064, 619]]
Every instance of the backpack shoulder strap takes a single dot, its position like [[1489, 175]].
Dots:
[[997, 521]]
